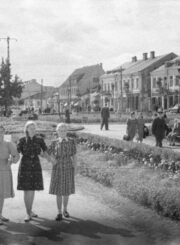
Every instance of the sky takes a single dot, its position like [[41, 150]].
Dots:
[[54, 37]]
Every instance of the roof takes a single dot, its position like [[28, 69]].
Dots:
[[37, 96], [32, 87], [144, 64], [125, 65], [85, 77], [161, 68]]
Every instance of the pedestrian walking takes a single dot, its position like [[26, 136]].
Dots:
[[105, 114], [8, 155], [67, 116], [131, 126], [159, 128], [63, 149], [30, 173], [140, 127]]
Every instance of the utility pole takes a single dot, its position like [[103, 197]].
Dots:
[[8, 39], [41, 93]]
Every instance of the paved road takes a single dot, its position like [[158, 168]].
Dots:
[[117, 131]]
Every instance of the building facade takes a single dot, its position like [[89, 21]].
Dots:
[[133, 82], [81, 83], [165, 85]]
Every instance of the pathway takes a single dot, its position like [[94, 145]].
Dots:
[[96, 219]]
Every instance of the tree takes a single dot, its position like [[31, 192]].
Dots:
[[9, 88]]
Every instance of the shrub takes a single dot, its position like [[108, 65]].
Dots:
[[130, 169]]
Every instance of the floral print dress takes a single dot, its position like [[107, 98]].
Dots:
[[62, 177], [30, 171]]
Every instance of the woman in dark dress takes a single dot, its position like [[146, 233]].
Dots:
[[131, 126], [30, 172]]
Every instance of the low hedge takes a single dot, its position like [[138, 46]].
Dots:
[[145, 186], [135, 171], [151, 156]]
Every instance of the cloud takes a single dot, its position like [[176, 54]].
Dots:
[[57, 36]]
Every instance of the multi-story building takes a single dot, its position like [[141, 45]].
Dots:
[[165, 84], [81, 81], [133, 83], [111, 83]]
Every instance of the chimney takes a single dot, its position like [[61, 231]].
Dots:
[[134, 59], [152, 54], [145, 56]]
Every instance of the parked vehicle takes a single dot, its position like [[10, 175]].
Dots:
[[175, 109]]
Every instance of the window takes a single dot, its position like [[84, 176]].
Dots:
[[171, 81], [132, 83], [137, 83], [115, 87], [108, 87], [154, 82], [177, 81]]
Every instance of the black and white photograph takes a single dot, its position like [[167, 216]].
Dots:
[[89, 122]]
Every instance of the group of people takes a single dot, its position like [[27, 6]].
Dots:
[[135, 127], [160, 129], [61, 153]]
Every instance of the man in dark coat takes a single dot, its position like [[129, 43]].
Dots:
[[159, 128], [105, 117], [67, 115]]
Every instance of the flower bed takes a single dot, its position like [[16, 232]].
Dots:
[[145, 174], [153, 157]]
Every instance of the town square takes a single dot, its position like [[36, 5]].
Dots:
[[89, 122]]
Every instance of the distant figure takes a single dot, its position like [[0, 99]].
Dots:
[[140, 128], [175, 132], [67, 116], [105, 114], [155, 115], [131, 126], [159, 128]]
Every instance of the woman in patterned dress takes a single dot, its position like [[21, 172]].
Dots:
[[8, 155], [30, 172], [62, 179]]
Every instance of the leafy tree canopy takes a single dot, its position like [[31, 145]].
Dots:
[[10, 88]]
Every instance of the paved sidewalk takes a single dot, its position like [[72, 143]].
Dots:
[[93, 220], [117, 131]]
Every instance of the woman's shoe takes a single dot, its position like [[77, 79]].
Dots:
[[66, 214], [3, 219], [59, 217], [33, 215], [27, 218]]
